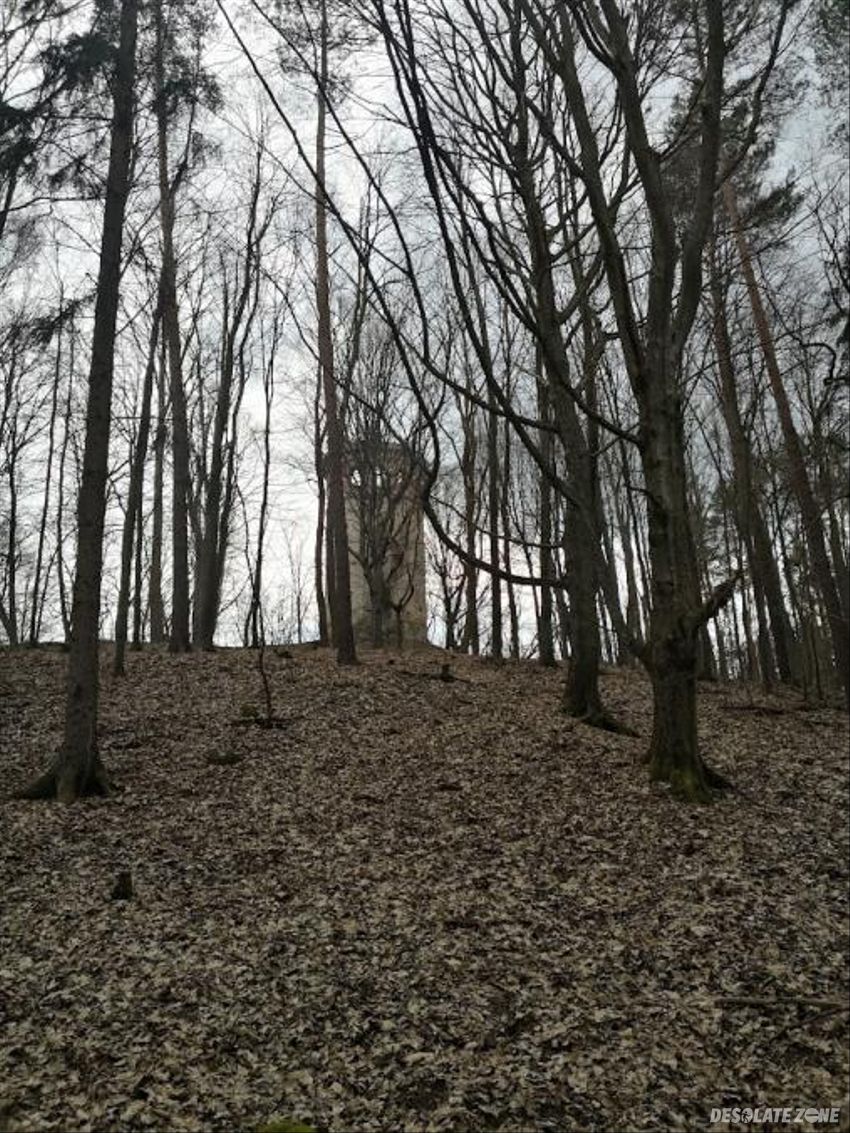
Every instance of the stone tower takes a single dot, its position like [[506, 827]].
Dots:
[[386, 535]]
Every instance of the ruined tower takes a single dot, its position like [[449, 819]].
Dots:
[[386, 534]]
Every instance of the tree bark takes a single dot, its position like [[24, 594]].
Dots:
[[319, 543], [37, 594], [155, 600], [179, 641], [748, 512], [78, 769], [545, 621], [582, 697], [342, 627], [496, 644], [138, 578], [255, 616], [215, 512], [653, 345], [134, 497], [64, 610], [800, 482]]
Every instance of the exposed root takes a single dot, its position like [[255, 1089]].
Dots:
[[697, 784], [605, 722], [715, 780], [688, 785], [44, 787], [66, 785]]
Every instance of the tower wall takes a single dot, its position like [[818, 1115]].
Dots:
[[403, 568]]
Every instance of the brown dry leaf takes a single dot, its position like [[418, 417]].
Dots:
[[414, 909]]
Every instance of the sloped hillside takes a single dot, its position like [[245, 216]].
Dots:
[[414, 904]]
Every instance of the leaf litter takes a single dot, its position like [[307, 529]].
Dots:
[[412, 908]]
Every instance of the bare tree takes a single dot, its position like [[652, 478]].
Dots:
[[78, 769]]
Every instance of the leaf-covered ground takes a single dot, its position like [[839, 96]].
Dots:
[[415, 905]]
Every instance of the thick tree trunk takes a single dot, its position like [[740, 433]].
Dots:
[[78, 769], [671, 656], [582, 697], [674, 752], [652, 341]]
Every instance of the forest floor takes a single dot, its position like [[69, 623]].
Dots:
[[415, 905]]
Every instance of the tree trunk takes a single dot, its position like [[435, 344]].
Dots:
[[216, 511], [179, 641], [10, 621], [545, 626], [138, 578], [672, 651], [513, 611], [37, 595], [342, 627], [632, 599], [134, 499], [78, 769], [496, 646], [255, 614], [801, 484], [829, 494], [319, 545], [155, 601], [582, 698], [470, 640], [748, 513], [64, 611]]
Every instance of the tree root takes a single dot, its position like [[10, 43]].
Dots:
[[604, 721], [687, 786], [43, 787], [67, 787], [696, 785], [715, 780]]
